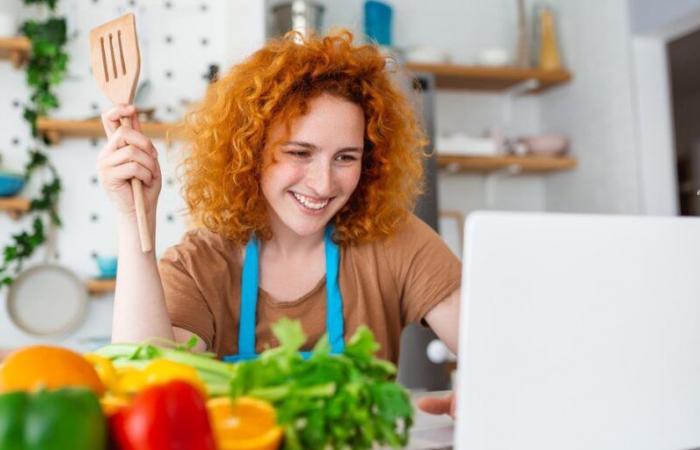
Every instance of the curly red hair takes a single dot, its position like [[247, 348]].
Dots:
[[227, 134]]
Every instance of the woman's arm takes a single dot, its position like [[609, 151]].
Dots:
[[444, 320], [139, 302]]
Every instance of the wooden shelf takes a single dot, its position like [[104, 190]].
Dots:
[[16, 49], [99, 286], [484, 78], [14, 206], [516, 164], [56, 129]]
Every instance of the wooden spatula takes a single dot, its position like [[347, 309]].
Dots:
[[114, 53]]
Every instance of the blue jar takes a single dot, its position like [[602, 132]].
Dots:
[[378, 17]]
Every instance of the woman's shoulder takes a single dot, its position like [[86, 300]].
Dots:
[[410, 235], [202, 246]]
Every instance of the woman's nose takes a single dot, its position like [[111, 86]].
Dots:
[[319, 178]]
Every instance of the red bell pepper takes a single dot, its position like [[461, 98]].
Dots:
[[170, 416]]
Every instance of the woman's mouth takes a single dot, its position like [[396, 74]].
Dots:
[[310, 203]]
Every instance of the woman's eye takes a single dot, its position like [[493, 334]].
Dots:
[[347, 158], [298, 153]]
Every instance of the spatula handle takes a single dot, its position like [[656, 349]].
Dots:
[[137, 188]]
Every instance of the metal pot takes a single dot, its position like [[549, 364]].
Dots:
[[298, 15]]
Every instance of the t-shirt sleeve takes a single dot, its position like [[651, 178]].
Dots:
[[425, 269], [187, 307]]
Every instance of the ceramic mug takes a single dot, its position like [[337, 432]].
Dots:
[[107, 266]]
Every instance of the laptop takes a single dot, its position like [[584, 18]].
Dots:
[[579, 332]]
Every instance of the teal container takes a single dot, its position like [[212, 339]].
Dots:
[[378, 18], [107, 266]]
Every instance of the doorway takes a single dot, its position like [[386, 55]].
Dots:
[[684, 76], [664, 176]]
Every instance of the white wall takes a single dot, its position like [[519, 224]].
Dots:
[[651, 15], [219, 32], [596, 110]]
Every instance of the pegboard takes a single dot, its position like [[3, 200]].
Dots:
[[180, 40]]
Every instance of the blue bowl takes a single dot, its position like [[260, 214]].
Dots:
[[10, 184], [107, 266]]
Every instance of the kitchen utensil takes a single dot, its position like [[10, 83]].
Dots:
[[298, 15], [523, 44], [10, 183], [47, 300], [114, 54]]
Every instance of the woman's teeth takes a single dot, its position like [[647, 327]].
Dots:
[[309, 203]]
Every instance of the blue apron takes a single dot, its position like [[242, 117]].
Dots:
[[249, 301]]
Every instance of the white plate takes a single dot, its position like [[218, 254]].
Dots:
[[47, 300]]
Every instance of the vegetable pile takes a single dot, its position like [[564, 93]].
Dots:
[[346, 401], [148, 397]]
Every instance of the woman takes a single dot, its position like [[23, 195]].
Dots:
[[304, 166]]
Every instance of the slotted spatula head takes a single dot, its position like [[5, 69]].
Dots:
[[114, 53]]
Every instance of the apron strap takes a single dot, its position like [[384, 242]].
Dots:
[[334, 302], [335, 326], [249, 299]]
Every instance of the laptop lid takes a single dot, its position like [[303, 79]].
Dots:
[[579, 332]]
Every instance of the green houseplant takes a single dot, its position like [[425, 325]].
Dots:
[[44, 71]]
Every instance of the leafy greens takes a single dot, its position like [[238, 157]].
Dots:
[[328, 401]]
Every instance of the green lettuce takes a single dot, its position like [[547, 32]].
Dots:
[[347, 401]]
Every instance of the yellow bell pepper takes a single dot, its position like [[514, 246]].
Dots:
[[128, 381], [104, 368], [131, 380]]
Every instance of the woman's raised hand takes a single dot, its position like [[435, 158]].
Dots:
[[128, 154]]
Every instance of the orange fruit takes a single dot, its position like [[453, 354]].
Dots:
[[244, 424], [44, 366]]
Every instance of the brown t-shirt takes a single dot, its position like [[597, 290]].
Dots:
[[385, 285]]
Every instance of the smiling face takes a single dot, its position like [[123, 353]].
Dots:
[[315, 170]]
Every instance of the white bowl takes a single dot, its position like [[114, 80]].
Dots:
[[493, 57], [545, 144], [424, 54]]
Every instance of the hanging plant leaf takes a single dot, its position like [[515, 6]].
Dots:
[[45, 70], [50, 3]]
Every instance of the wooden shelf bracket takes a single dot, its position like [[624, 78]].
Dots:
[[14, 206]]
